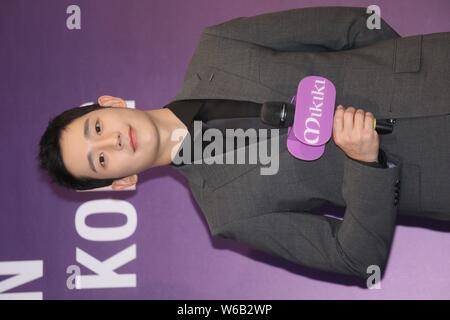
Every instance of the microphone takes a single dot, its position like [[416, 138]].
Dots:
[[281, 114]]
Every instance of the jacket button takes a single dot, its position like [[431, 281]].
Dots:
[[395, 202]]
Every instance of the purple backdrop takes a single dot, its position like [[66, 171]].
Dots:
[[139, 50]]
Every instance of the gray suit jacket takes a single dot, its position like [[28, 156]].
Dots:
[[263, 58]]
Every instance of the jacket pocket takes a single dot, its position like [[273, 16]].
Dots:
[[408, 77], [407, 54]]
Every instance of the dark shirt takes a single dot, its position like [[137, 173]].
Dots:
[[209, 109]]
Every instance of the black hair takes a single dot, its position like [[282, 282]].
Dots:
[[49, 156]]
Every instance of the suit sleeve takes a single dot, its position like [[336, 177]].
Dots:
[[332, 28], [349, 246], [382, 161]]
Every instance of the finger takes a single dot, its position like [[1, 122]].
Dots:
[[359, 120], [369, 121], [338, 124], [349, 119]]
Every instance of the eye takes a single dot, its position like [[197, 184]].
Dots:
[[96, 123], [101, 159]]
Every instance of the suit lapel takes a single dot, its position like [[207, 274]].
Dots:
[[217, 175], [214, 83]]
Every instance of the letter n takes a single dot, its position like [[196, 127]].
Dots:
[[21, 272]]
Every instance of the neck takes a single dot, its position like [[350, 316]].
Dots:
[[165, 123]]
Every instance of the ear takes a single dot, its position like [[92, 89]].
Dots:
[[110, 101], [124, 182]]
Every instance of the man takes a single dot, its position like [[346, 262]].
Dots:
[[244, 62]]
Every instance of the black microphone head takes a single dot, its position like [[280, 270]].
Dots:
[[279, 114]]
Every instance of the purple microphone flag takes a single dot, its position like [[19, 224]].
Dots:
[[313, 119]]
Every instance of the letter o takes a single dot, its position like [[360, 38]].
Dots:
[[109, 233]]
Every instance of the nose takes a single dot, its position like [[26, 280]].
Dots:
[[114, 141]]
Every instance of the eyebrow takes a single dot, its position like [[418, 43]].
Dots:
[[87, 135]]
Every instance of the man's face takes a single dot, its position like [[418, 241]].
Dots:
[[103, 136]]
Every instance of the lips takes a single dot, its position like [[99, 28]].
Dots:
[[132, 139]]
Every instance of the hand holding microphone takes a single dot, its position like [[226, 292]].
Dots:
[[354, 132], [313, 119], [281, 114]]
